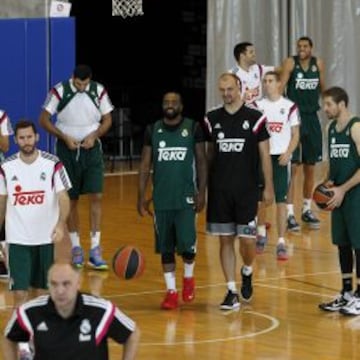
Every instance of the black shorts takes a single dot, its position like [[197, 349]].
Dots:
[[231, 212]]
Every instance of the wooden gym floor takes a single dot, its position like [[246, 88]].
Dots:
[[281, 322]]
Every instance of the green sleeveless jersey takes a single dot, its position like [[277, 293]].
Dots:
[[304, 86], [344, 158], [173, 165]]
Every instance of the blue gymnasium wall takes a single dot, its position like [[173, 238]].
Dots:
[[36, 54]]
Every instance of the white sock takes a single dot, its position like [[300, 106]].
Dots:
[[74, 238], [232, 286], [95, 239], [306, 205], [189, 270], [290, 209], [170, 280], [261, 230], [247, 270], [281, 240]]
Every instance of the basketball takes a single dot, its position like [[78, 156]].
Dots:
[[322, 195], [128, 262]]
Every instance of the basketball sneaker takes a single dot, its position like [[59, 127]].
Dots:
[[338, 303], [352, 308], [292, 224], [231, 301], [246, 290], [95, 259], [171, 300], [260, 243], [188, 290], [309, 218], [77, 257], [281, 252]]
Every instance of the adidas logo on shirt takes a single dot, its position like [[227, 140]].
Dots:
[[42, 327]]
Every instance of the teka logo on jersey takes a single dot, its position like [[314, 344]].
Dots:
[[338, 151], [231, 145], [171, 153], [306, 84], [28, 197], [275, 127]]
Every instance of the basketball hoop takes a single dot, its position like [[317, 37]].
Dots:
[[125, 8]]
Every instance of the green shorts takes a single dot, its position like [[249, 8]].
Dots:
[[280, 179], [309, 150], [85, 168], [175, 231], [29, 265], [345, 224]]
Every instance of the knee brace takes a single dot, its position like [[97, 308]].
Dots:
[[188, 256], [168, 258]]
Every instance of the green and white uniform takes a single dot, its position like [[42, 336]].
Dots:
[[344, 162], [174, 183], [304, 90]]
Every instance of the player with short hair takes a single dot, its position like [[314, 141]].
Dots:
[[33, 195], [68, 324], [83, 110], [174, 147], [283, 123], [238, 141], [303, 77], [344, 180]]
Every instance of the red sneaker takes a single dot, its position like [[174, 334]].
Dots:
[[171, 300], [188, 290]]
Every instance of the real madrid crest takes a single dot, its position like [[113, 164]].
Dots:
[[246, 125], [184, 133]]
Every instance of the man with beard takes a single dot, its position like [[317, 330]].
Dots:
[[303, 76], [238, 141], [33, 195], [174, 147], [343, 179], [83, 110]]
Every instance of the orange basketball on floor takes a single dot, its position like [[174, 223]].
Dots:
[[322, 195], [128, 262]]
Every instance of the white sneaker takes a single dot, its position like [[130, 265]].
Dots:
[[352, 308]]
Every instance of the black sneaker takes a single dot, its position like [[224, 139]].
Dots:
[[292, 224], [309, 218], [230, 302], [3, 270], [339, 302], [246, 290]]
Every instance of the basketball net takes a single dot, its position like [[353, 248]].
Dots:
[[127, 8]]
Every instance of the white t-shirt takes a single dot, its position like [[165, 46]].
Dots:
[[5, 127], [251, 81], [32, 208], [281, 115], [80, 116]]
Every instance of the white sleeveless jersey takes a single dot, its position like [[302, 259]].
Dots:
[[281, 115], [251, 81], [32, 208]]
